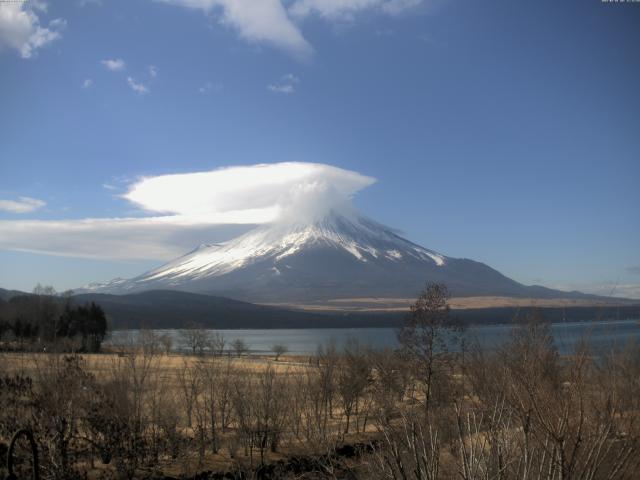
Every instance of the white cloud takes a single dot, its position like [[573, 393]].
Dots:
[[37, 4], [137, 86], [290, 78], [153, 71], [346, 9], [151, 238], [21, 205], [238, 191], [330, 8], [87, 83], [396, 7], [281, 88], [275, 22], [209, 87], [114, 64], [286, 86], [58, 23], [264, 21], [192, 208], [20, 27]]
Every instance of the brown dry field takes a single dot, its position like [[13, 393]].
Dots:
[[383, 304], [167, 368], [102, 363]]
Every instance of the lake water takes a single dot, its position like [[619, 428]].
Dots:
[[602, 336]]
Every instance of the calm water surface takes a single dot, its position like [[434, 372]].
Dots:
[[602, 336]]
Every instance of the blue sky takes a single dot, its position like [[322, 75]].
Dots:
[[506, 132]]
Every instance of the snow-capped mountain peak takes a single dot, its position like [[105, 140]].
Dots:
[[362, 238], [339, 255]]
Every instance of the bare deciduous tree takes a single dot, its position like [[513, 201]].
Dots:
[[426, 335], [195, 338], [217, 343], [352, 379], [189, 382], [167, 342], [240, 347], [279, 350]]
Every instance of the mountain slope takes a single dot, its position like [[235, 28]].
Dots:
[[337, 256], [7, 295], [175, 309]]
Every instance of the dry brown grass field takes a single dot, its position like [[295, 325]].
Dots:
[[179, 380], [102, 364], [385, 304]]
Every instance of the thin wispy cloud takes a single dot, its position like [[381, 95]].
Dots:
[[290, 78], [114, 64], [635, 269], [21, 205], [58, 23], [21, 28], [209, 87], [396, 7], [137, 87], [87, 83], [281, 88], [347, 9], [286, 85], [151, 238], [215, 205], [384, 32], [118, 65]]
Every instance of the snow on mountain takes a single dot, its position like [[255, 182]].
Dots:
[[338, 255], [365, 240]]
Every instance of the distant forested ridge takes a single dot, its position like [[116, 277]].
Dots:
[[45, 319], [162, 309], [174, 309]]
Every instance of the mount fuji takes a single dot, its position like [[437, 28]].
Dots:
[[335, 256]]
